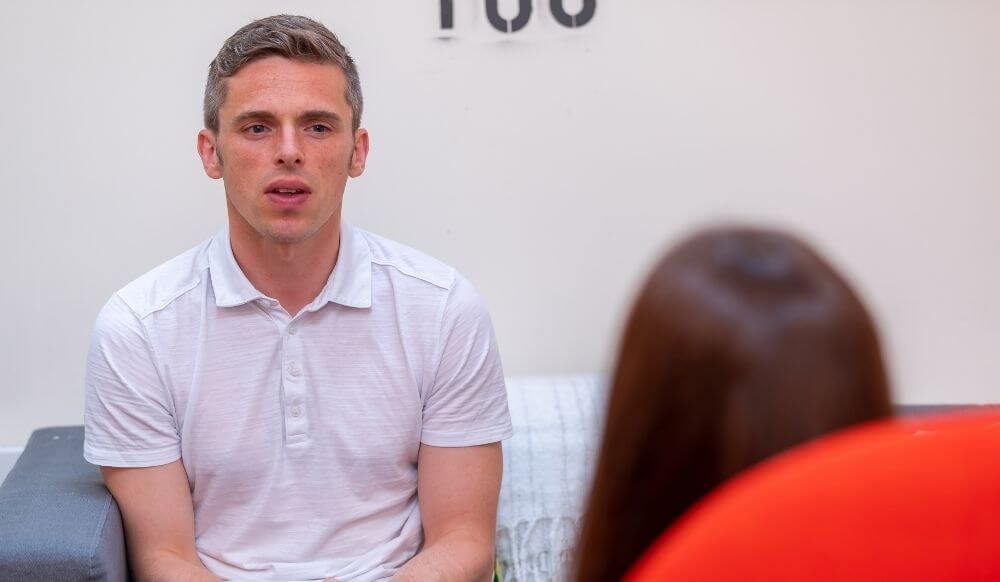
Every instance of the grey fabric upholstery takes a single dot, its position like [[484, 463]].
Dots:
[[57, 520]]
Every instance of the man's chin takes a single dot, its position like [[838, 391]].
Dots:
[[289, 234], [286, 237], [284, 230]]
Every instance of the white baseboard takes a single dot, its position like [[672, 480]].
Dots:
[[8, 456]]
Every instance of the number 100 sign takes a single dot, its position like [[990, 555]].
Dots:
[[500, 23]]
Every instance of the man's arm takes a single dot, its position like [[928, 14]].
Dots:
[[158, 514], [458, 489]]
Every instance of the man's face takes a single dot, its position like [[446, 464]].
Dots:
[[284, 149]]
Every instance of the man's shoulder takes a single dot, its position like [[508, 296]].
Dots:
[[397, 258], [161, 285]]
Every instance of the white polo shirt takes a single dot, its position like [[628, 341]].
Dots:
[[299, 434]]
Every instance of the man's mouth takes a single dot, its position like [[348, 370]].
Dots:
[[288, 193]]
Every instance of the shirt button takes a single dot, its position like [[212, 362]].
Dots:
[[292, 330], [296, 411], [294, 370]]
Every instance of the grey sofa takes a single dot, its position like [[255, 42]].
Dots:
[[58, 522]]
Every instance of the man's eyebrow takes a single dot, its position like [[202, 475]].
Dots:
[[314, 114], [319, 114], [248, 115]]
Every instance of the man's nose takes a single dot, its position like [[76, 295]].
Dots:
[[289, 150]]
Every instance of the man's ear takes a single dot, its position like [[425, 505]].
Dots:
[[360, 154], [209, 153]]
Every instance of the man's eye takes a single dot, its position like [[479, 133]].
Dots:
[[256, 128], [319, 128]]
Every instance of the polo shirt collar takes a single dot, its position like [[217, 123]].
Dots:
[[350, 284], [230, 285]]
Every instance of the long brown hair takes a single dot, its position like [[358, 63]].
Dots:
[[743, 342]]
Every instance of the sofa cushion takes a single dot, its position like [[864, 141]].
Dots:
[[547, 468]]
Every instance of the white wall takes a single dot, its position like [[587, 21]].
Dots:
[[550, 166], [8, 456]]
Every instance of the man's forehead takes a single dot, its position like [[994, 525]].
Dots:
[[280, 70], [276, 83]]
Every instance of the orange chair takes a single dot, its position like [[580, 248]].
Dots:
[[898, 500]]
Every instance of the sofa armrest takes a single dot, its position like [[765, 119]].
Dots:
[[57, 520]]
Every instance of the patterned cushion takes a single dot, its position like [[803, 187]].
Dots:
[[547, 468]]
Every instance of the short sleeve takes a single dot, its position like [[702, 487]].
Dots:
[[127, 416], [467, 403]]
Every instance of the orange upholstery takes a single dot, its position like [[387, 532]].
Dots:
[[897, 500]]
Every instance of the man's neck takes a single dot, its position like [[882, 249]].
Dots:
[[293, 273]]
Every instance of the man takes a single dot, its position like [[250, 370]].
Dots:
[[297, 399]]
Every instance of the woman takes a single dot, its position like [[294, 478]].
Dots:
[[742, 343]]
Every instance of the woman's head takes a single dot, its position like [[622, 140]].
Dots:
[[742, 343]]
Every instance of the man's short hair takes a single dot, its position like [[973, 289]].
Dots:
[[293, 37]]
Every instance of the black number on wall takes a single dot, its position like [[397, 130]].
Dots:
[[502, 24], [447, 14], [573, 20], [585, 14]]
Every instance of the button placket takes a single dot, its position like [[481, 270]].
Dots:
[[296, 424]]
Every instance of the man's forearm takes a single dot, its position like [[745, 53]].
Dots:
[[456, 557], [167, 566]]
